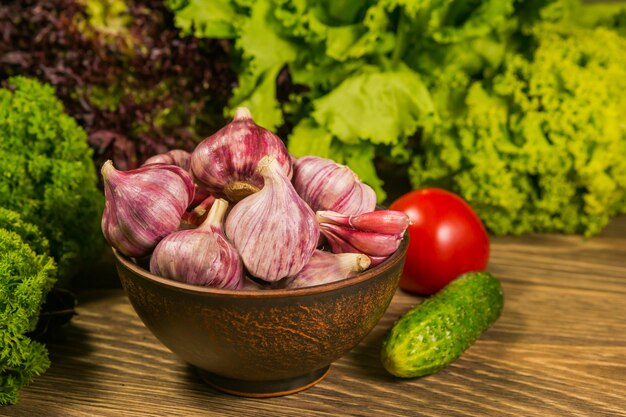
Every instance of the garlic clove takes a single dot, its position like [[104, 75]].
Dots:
[[384, 227], [339, 246], [143, 205], [225, 163], [379, 221], [201, 256], [377, 260], [373, 244], [274, 231], [336, 243], [176, 157], [327, 185], [325, 267]]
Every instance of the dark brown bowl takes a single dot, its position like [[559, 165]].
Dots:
[[262, 343]]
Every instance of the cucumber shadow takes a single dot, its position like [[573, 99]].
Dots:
[[495, 342]]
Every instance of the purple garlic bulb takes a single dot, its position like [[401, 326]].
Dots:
[[177, 157], [200, 256], [182, 159], [325, 267], [225, 163], [274, 231], [327, 185], [143, 205]]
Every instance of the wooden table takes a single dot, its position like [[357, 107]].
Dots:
[[558, 349]]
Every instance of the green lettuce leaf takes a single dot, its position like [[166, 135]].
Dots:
[[27, 274], [378, 107], [360, 158], [47, 174], [205, 19], [257, 92], [308, 138], [265, 53], [541, 146]]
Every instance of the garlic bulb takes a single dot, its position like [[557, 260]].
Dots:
[[327, 185], [200, 256], [325, 267], [143, 205], [380, 221], [225, 163], [177, 157], [274, 231], [182, 159], [343, 239]]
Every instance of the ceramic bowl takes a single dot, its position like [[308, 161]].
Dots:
[[262, 343]]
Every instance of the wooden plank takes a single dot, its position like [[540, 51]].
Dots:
[[558, 349]]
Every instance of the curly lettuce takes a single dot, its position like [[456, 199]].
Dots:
[[27, 273], [47, 174], [360, 71], [467, 95], [541, 147]]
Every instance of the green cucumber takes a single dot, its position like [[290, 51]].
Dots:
[[433, 334]]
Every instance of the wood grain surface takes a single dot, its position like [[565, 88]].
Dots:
[[559, 349]]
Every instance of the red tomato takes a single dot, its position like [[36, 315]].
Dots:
[[447, 239]]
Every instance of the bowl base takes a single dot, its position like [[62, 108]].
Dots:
[[263, 389]]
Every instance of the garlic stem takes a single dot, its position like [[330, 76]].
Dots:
[[264, 165], [216, 215], [109, 173], [242, 113], [354, 262]]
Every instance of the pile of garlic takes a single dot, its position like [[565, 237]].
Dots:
[[283, 212]]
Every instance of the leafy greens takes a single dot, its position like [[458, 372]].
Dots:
[[462, 94], [27, 273], [47, 174]]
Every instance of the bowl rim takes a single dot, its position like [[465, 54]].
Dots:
[[284, 292]]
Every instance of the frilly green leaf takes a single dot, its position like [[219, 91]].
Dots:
[[376, 106], [47, 174], [542, 147], [26, 276], [205, 19]]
